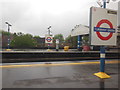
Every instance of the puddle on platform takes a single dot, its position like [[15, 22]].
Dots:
[[54, 80], [49, 80]]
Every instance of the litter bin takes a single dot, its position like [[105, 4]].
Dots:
[[66, 48]]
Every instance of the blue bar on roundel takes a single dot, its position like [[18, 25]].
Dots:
[[100, 29]]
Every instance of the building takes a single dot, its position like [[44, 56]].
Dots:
[[80, 30]]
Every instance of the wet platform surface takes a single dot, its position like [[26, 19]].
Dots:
[[74, 74]]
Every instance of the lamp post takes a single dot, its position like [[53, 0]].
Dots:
[[49, 35], [49, 30], [8, 35]]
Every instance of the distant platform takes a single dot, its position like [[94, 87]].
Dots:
[[44, 55]]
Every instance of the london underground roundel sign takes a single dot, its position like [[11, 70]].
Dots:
[[103, 23], [98, 29], [48, 39]]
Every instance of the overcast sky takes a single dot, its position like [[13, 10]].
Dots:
[[35, 16]]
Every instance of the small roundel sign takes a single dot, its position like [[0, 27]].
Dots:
[[48, 39]]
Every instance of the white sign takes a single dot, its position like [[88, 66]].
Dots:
[[103, 26], [80, 30], [57, 41], [48, 39]]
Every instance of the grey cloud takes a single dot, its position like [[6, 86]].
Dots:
[[23, 18], [13, 11]]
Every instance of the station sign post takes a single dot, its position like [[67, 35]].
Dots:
[[57, 44], [103, 26], [48, 40]]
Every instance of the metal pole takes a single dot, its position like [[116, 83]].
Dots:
[[49, 35], [102, 50], [57, 44], [104, 3], [48, 45], [8, 37], [49, 30], [57, 47], [79, 42], [8, 34], [102, 59]]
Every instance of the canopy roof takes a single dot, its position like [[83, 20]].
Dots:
[[80, 30]]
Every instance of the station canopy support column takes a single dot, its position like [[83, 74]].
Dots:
[[79, 31], [79, 42]]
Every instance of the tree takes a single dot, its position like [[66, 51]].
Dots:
[[36, 36], [5, 33], [40, 42], [14, 34], [68, 39], [71, 41], [85, 40], [61, 40], [23, 41], [20, 34], [60, 37]]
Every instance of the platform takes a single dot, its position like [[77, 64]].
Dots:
[[73, 74]]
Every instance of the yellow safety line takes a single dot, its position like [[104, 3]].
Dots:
[[61, 64]]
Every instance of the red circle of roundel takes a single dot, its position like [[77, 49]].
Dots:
[[49, 39], [98, 33]]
